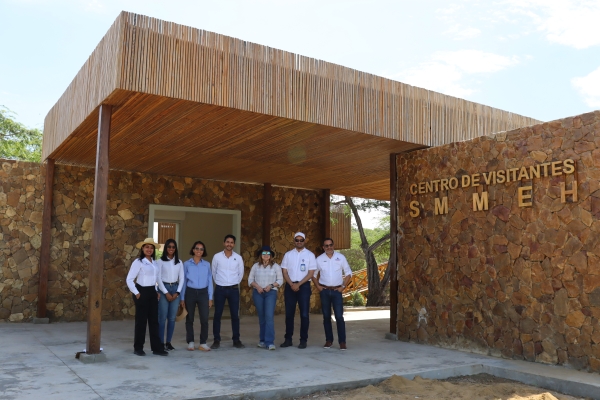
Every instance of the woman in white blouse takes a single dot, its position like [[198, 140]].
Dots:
[[265, 278], [170, 282], [144, 272]]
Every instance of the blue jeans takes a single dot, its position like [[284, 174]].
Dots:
[[302, 298], [265, 307], [232, 295], [167, 310], [333, 298]]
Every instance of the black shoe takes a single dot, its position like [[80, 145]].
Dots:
[[286, 343], [302, 345], [169, 347], [139, 352], [160, 353], [216, 344], [238, 344]]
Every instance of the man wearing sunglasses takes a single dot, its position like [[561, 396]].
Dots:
[[334, 275], [298, 266]]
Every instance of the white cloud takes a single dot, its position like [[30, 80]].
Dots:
[[460, 32], [589, 87], [448, 70], [572, 23]]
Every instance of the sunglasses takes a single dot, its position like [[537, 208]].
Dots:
[[171, 247], [199, 248], [266, 253], [328, 245], [299, 240]]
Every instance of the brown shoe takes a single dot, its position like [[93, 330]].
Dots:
[[327, 345], [343, 346]]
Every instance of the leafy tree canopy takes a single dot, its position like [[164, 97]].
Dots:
[[17, 142]]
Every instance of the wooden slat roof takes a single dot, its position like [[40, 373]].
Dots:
[[188, 102]]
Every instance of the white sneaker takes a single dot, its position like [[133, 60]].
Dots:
[[191, 346], [261, 345], [271, 347], [204, 347]]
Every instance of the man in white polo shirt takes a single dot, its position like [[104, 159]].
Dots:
[[334, 275], [298, 266], [227, 272]]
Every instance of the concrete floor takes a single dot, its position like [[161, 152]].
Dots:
[[38, 362]]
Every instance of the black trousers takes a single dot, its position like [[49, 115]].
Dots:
[[197, 297], [146, 312]]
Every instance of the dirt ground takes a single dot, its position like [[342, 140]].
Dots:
[[473, 387]]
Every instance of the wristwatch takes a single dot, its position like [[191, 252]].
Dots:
[[272, 286]]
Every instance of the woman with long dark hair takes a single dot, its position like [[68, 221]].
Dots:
[[170, 284], [144, 272], [197, 291]]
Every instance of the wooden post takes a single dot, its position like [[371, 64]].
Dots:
[[46, 239], [98, 232], [393, 263], [326, 214], [267, 206]]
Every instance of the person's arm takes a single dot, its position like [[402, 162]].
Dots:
[[251, 278], [347, 273], [279, 276], [240, 270], [210, 285], [181, 278], [161, 285], [312, 266], [315, 279], [214, 266], [286, 277], [134, 270], [184, 287]]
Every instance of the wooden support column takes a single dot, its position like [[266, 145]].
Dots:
[[98, 232], [46, 239], [326, 214], [393, 263], [267, 207]]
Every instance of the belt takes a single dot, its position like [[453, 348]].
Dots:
[[171, 283], [229, 287], [331, 287]]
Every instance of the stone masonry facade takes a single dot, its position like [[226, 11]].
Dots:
[[521, 279], [129, 197]]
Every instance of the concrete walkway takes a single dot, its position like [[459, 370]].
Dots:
[[38, 362]]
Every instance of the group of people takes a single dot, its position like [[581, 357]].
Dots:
[[161, 287]]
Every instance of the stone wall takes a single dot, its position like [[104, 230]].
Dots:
[[522, 279], [129, 197]]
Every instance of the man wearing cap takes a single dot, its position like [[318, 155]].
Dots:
[[334, 273], [298, 266], [227, 272]]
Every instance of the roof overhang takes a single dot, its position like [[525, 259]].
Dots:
[[187, 102]]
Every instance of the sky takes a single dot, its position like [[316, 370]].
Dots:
[[538, 58]]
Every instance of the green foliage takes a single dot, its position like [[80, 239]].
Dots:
[[356, 299], [17, 142], [356, 257]]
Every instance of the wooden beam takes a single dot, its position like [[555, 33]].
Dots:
[[98, 232], [267, 207], [393, 263], [326, 214], [46, 239]]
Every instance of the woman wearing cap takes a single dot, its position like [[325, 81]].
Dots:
[[144, 272], [170, 283], [265, 278]]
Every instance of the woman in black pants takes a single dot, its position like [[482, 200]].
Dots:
[[145, 273]]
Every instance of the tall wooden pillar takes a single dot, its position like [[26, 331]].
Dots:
[[46, 239], [326, 214], [267, 206], [393, 263], [98, 232]]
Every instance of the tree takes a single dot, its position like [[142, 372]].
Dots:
[[377, 286], [17, 142]]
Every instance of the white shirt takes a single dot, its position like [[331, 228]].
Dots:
[[169, 272], [333, 269], [227, 271], [298, 263], [144, 272]]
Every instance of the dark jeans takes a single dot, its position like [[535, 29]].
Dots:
[[146, 312], [333, 298], [232, 295], [197, 297], [302, 298]]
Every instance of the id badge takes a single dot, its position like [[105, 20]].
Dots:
[[302, 267]]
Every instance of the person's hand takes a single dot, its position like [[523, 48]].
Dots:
[[157, 295], [295, 287], [137, 296], [182, 303], [341, 289], [319, 288], [169, 297], [259, 289], [267, 288], [210, 303]]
